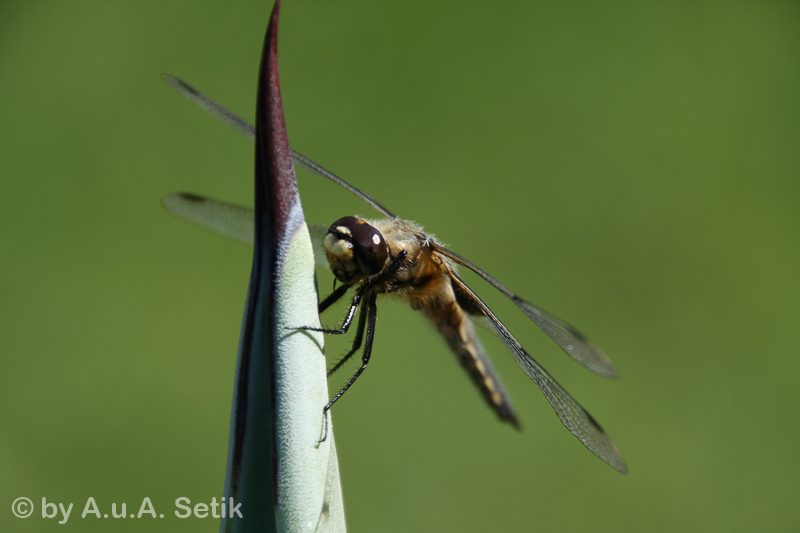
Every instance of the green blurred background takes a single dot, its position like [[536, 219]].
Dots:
[[633, 168]]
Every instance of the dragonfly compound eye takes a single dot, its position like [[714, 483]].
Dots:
[[370, 248], [355, 248]]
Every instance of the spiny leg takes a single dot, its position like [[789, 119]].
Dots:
[[362, 320], [332, 298], [329, 300], [347, 319], [362, 289], [372, 314]]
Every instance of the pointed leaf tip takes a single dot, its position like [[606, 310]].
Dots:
[[276, 187]]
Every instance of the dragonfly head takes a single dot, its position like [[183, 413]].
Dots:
[[355, 249]]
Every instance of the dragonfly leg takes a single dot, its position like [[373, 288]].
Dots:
[[362, 320], [347, 319], [371, 313], [332, 298], [362, 289]]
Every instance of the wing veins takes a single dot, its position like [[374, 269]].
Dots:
[[574, 417], [232, 221], [239, 124], [573, 342]]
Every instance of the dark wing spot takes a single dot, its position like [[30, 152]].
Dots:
[[593, 421], [189, 197]]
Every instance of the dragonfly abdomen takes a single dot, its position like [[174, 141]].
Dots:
[[456, 328]]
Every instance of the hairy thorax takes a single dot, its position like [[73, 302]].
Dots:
[[422, 281]]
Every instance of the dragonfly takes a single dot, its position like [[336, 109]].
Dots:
[[392, 256]]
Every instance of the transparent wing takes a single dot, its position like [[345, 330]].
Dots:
[[574, 417], [318, 233], [245, 128], [231, 220], [229, 118], [572, 341]]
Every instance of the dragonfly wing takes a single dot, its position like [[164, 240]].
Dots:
[[574, 417], [318, 232], [572, 341], [231, 220], [248, 130], [307, 164], [225, 116]]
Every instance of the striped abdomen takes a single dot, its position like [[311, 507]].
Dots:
[[456, 328]]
